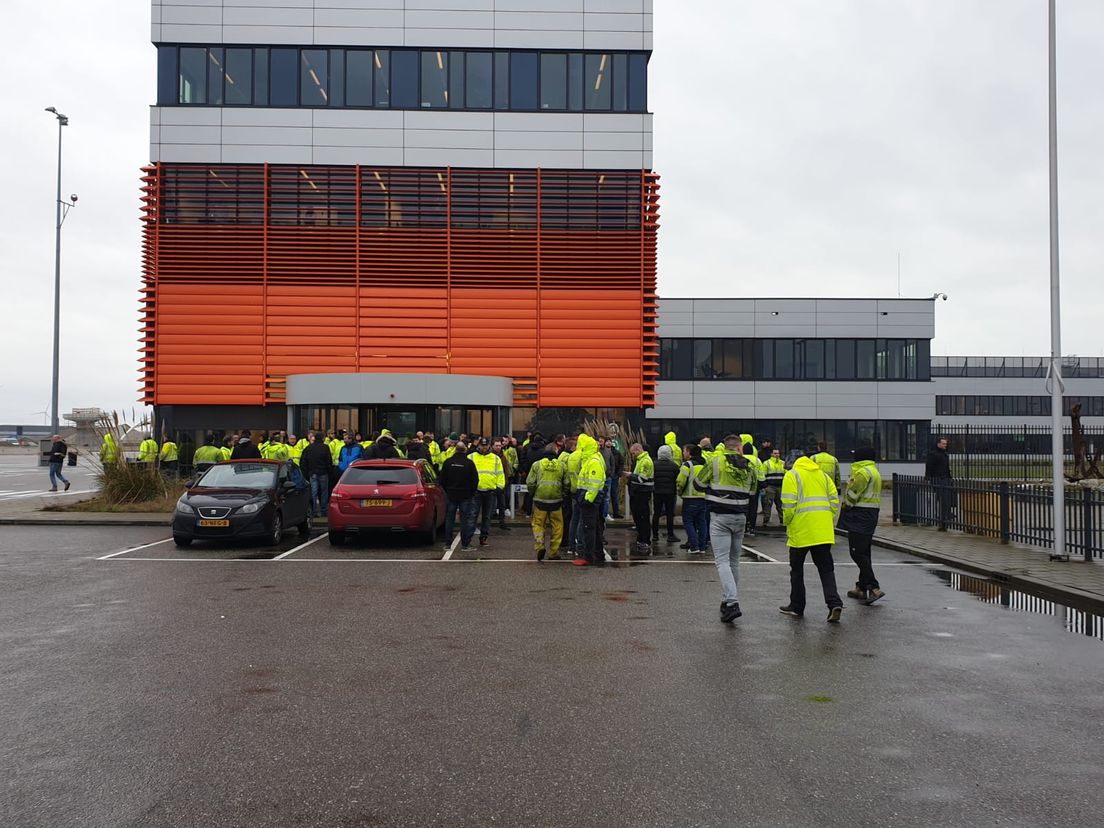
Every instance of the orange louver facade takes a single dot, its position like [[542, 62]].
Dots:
[[255, 272]]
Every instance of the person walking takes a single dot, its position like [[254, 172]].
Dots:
[[148, 451], [862, 503], [492, 477], [169, 457], [937, 469], [695, 518], [774, 470], [726, 482], [460, 481], [591, 483], [827, 463], [810, 503], [641, 483], [55, 458], [498, 448], [316, 463], [664, 493], [545, 483]]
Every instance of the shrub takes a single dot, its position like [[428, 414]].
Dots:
[[130, 483]]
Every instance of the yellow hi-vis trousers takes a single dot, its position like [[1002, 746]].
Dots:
[[550, 523]]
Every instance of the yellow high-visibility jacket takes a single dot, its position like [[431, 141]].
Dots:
[[491, 474], [810, 503]]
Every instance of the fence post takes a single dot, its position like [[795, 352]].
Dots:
[[966, 446], [1005, 513], [896, 505], [1087, 532], [1024, 444]]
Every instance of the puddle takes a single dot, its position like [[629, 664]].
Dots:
[[993, 592]]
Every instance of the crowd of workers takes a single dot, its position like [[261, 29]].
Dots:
[[573, 485]]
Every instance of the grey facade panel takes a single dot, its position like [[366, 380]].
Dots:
[[460, 390]]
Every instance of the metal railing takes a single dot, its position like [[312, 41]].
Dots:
[[1020, 452], [1005, 511]]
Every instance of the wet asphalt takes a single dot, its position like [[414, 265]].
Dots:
[[378, 685]]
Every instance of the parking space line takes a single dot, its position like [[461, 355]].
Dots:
[[134, 549], [761, 554], [283, 555], [452, 548]]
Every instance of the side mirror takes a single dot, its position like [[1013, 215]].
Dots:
[[188, 484], [288, 486]]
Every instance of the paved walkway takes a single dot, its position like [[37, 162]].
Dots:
[[1076, 582]]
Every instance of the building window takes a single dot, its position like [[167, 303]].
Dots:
[[435, 89], [358, 78], [596, 81], [524, 80], [478, 80], [553, 81], [314, 74], [239, 77], [193, 76], [404, 79], [283, 77]]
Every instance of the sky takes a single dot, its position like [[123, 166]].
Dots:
[[804, 147]]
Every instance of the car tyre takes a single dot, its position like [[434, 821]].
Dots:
[[428, 536], [306, 526], [182, 541], [336, 538], [277, 533]]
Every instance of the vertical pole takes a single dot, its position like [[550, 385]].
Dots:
[[1087, 528], [54, 422], [1005, 513], [1058, 451], [896, 499]]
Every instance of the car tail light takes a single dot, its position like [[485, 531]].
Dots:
[[419, 495], [336, 495]]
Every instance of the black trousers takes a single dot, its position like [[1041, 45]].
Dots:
[[591, 518], [664, 505], [822, 557], [640, 505], [753, 511], [859, 546]]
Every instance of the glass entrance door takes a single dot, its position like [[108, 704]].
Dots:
[[400, 423]]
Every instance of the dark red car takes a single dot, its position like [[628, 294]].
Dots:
[[389, 495]]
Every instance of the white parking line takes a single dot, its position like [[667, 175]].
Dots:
[[452, 548], [283, 555], [134, 549], [760, 554]]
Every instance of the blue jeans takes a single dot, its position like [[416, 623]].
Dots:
[[614, 495], [695, 520], [467, 510], [320, 494], [56, 475], [726, 531]]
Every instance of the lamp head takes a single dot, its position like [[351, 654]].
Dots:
[[51, 109]]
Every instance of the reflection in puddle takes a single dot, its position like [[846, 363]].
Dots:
[[991, 592]]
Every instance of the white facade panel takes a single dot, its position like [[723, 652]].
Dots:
[[458, 139], [268, 35], [562, 159], [300, 16], [427, 157], [450, 38], [613, 40], [189, 33], [538, 122], [351, 36], [540, 5], [382, 156], [188, 153], [330, 137], [273, 153], [529, 39], [190, 134], [259, 117], [615, 160], [190, 116], [275, 136], [539, 141], [191, 14], [381, 18], [447, 19], [452, 5], [613, 141]]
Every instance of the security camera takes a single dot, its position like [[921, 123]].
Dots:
[[942, 296], [73, 198]]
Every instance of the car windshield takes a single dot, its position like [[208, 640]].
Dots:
[[380, 476], [239, 476]]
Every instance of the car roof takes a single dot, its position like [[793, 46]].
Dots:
[[255, 460], [389, 461]]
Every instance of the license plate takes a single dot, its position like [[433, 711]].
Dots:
[[366, 503], [214, 523]]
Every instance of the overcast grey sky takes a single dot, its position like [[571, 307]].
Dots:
[[801, 144]]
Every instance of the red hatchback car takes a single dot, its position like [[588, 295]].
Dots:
[[394, 495]]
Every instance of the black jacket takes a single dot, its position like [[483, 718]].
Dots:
[[246, 451], [316, 459], [382, 449], [459, 477], [417, 451], [57, 452], [938, 464], [666, 473]]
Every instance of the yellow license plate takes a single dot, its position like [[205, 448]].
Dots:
[[375, 503], [214, 523]]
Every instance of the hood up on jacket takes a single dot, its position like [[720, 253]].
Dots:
[[805, 464], [587, 445], [669, 439]]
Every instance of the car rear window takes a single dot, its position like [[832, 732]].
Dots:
[[377, 476], [240, 476]]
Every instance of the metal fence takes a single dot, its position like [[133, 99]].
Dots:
[[1010, 452], [1006, 511]]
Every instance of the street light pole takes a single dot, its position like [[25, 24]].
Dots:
[[63, 121], [1057, 446]]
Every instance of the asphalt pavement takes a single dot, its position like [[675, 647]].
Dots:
[[378, 684]]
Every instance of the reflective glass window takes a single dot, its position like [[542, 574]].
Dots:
[[865, 358], [764, 358], [524, 80], [597, 81], [478, 84], [784, 359], [638, 83], [283, 77], [381, 68], [812, 359], [214, 76], [456, 80], [575, 81], [239, 77], [358, 77], [620, 82], [404, 79], [337, 77], [502, 80], [553, 81], [434, 93], [314, 78], [193, 76], [703, 359], [167, 78], [260, 77]]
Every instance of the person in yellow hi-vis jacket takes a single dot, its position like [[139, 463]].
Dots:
[[810, 503], [546, 484], [589, 485]]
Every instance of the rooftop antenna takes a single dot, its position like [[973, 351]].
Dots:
[[898, 274]]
